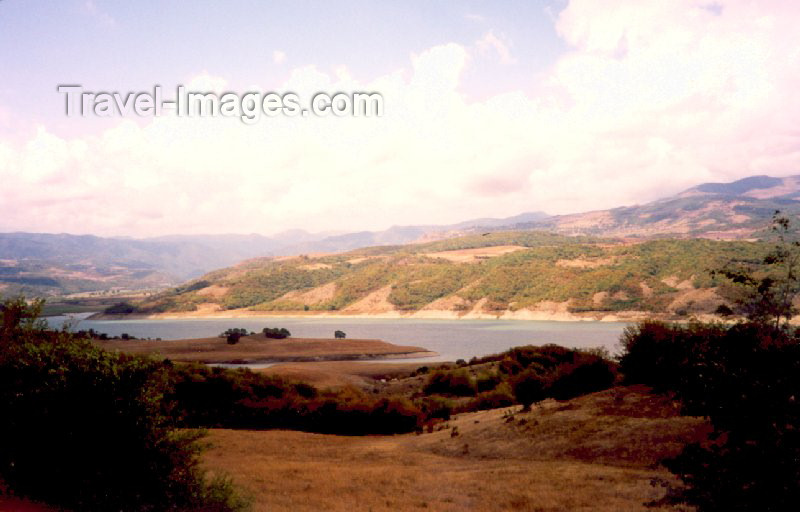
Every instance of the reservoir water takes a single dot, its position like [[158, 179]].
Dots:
[[452, 339]]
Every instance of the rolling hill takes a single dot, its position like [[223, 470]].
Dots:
[[738, 210], [56, 264], [515, 275]]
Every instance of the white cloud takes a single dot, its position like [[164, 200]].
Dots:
[[644, 103]]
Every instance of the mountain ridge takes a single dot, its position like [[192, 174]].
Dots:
[[49, 264]]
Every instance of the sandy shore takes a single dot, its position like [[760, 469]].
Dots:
[[549, 316]]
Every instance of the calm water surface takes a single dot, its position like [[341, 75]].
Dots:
[[452, 339]]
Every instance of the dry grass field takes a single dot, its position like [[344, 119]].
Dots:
[[257, 349], [337, 374], [597, 452]]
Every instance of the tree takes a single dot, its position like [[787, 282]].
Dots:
[[276, 333], [529, 387], [17, 316], [767, 289], [339, 335], [87, 429]]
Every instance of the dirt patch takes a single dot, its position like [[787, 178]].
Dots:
[[586, 263], [475, 255], [695, 300], [207, 309], [675, 282], [215, 291], [316, 295], [315, 266], [333, 374], [375, 302]]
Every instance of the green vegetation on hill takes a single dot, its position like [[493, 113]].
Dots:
[[595, 275]]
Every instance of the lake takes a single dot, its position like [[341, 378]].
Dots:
[[452, 339]]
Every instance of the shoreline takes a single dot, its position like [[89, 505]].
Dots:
[[520, 315], [259, 350]]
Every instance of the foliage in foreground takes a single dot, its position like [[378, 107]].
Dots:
[[86, 429], [746, 379], [524, 375], [216, 397]]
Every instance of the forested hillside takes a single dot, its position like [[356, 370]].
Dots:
[[512, 274]]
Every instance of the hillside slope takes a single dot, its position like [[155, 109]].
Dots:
[[737, 210], [524, 275]]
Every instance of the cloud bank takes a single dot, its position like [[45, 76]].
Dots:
[[648, 100]]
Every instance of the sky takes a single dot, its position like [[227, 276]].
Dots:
[[491, 108]]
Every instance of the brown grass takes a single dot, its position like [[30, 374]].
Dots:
[[475, 255], [333, 374], [593, 453], [254, 349]]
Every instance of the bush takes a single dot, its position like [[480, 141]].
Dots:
[[660, 354], [529, 387], [276, 333], [436, 407], [745, 379], [501, 396], [217, 397], [88, 429], [487, 381], [587, 374], [237, 331], [456, 382], [120, 308]]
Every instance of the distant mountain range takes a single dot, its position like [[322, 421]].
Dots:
[[55, 264], [738, 210], [47, 264]]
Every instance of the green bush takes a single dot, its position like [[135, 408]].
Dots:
[[276, 333], [501, 396], [88, 429], [218, 397]]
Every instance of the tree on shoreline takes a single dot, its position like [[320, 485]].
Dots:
[[766, 290]]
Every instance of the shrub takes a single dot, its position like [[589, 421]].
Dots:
[[501, 396], [234, 330], [660, 354], [487, 381], [88, 429], [218, 397], [436, 407], [276, 333], [587, 374], [120, 308], [744, 378], [454, 382], [529, 387]]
